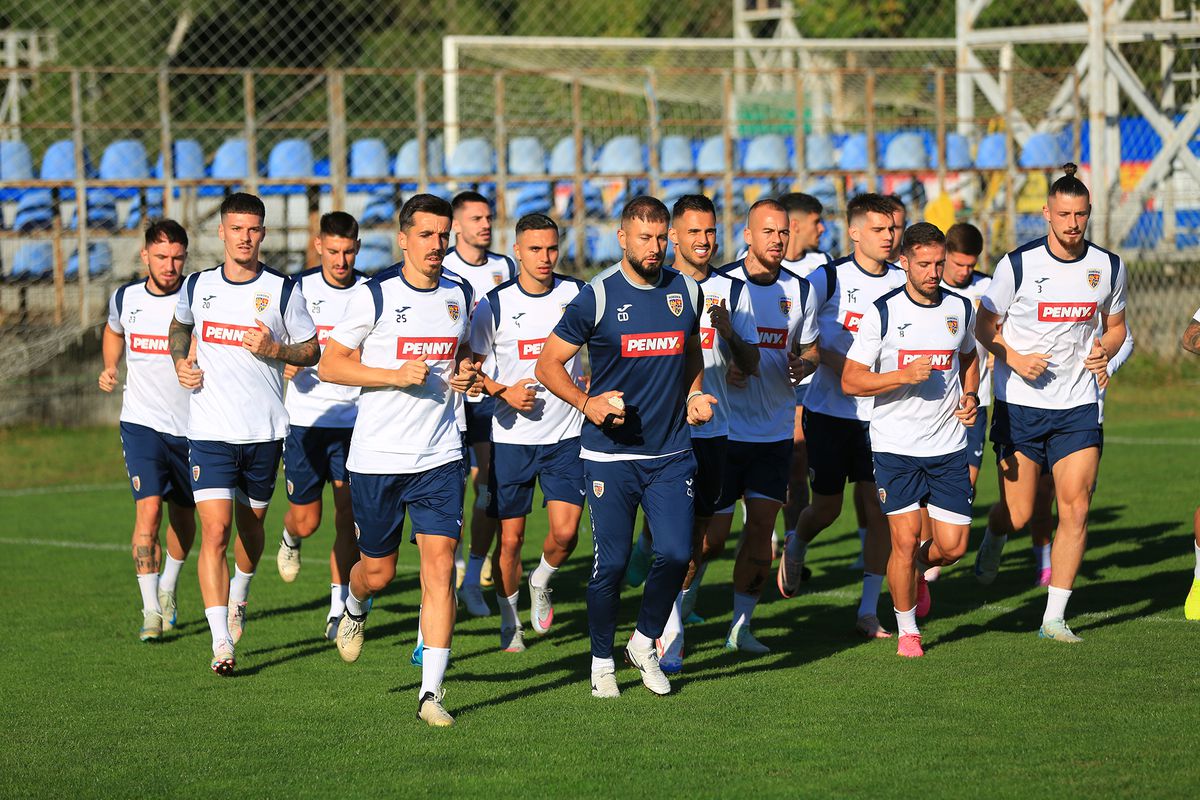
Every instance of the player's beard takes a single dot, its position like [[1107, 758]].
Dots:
[[164, 287], [648, 274], [931, 294]]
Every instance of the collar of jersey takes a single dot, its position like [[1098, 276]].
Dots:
[[1086, 247], [661, 275], [521, 289], [334, 285], [756, 282], [858, 266], [221, 271], [404, 280], [941, 297], [487, 257]]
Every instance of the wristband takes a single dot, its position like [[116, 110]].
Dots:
[[973, 395], [693, 396]]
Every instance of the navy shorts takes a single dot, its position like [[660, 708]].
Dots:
[[479, 420], [662, 486], [942, 484], [157, 464], [977, 437], [313, 457], [710, 453], [839, 452], [380, 502], [515, 467], [756, 469], [242, 472], [1045, 436]]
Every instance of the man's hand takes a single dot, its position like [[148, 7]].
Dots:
[[1030, 366], [719, 314], [798, 368], [108, 379], [735, 377], [464, 378], [290, 371], [260, 341], [412, 373], [699, 408], [601, 412], [1097, 363], [917, 371], [190, 376], [968, 405], [520, 396]]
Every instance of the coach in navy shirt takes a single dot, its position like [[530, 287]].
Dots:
[[641, 325]]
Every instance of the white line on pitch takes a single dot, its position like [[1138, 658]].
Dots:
[[78, 488], [1152, 442], [67, 544]]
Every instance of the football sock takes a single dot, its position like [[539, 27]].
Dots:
[[355, 607], [289, 540], [433, 669], [170, 574], [872, 585], [1197, 572], [906, 621], [542, 574], [1056, 604], [797, 549], [149, 586], [474, 569], [1041, 554], [743, 608], [239, 586], [640, 641], [337, 598], [508, 610], [989, 537], [602, 665], [218, 624]]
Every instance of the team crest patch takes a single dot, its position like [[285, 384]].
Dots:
[[1093, 277], [196, 472], [562, 308], [785, 305], [675, 303], [598, 488], [453, 309], [952, 325], [497, 278], [711, 300], [357, 532], [291, 488], [261, 301], [882, 495], [137, 483]]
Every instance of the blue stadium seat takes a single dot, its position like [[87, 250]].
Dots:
[[604, 248], [101, 211], [824, 189], [375, 253], [562, 162], [407, 163], [33, 260], [153, 208], [16, 164], [675, 155], [958, 153], [711, 158], [526, 156], [1146, 232], [819, 152], [472, 157], [290, 158], [231, 161], [124, 159], [1030, 226], [992, 152], [380, 208], [368, 159], [35, 211], [906, 151], [58, 164], [189, 159], [621, 155], [853, 157], [99, 260], [1042, 151], [765, 153]]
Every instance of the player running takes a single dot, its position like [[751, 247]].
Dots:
[[1051, 362], [154, 411], [471, 260], [535, 435], [410, 322], [641, 324], [250, 321], [835, 424], [322, 419], [915, 356]]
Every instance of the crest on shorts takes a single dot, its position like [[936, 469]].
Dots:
[[137, 483], [1093, 276], [291, 488], [952, 325], [785, 305], [453, 309], [675, 303], [357, 532], [497, 278], [562, 308], [711, 300], [882, 495], [196, 472], [261, 301], [598, 488]]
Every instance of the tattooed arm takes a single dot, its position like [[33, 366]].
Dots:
[[1191, 337], [179, 337]]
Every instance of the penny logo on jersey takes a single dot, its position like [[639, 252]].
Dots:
[[938, 359], [261, 301], [453, 309], [529, 349], [666, 343], [434, 349], [141, 343], [952, 325], [1093, 278], [323, 334], [851, 320], [772, 338], [222, 333], [675, 303], [708, 338], [1066, 312]]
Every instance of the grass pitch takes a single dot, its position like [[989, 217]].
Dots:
[[991, 711]]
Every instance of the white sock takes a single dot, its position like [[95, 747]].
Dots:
[[337, 598], [474, 569], [1041, 554], [1197, 573], [640, 641], [602, 665], [689, 595], [420, 633], [508, 610], [1056, 604], [354, 606], [149, 586], [743, 608], [542, 574], [218, 624], [674, 625], [774, 540], [797, 549], [170, 574], [433, 669], [239, 586], [872, 585], [644, 545], [906, 621], [289, 540]]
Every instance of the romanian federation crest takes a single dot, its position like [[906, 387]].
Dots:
[[1093, 277], [882, 495], [675, 303], [453, 309], [497, 278], [711, 300], [261, 301], [785, 305], [137, 483], [196, 472], [952, 325], [598, 488]]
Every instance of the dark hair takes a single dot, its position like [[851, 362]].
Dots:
[[645, 208], [800, 203], [339, 223], [158, 230], [1068, 184], [921, 233], [463, 198], [868, 203], [692, 202], [423, 204], [963, 237], [535, 222], [766, 202], [896, 203], [243, 203]]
